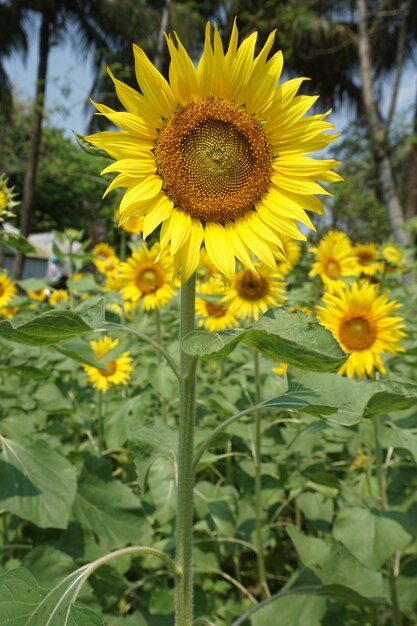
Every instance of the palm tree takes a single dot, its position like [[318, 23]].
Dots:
[[87, 26], [12, 39], [349, 49]]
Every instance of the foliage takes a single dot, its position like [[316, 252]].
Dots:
[[337, 471], [65, 174]]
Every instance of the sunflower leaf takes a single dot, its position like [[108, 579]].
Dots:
[[88, 147], [24, 603], [290, 337]]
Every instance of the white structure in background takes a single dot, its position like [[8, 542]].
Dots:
[[43, 264]]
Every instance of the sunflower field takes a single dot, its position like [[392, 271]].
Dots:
[[214, 422]]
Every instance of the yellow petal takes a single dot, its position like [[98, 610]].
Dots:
[[188, 257], [153, 85], [135, 168], [157, 215], [141, 192], [219, 249], [180, 229]]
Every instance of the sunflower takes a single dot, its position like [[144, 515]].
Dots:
[[7, 199], [57, 296], [281, 369], [335, 258], [39, 294], [367, 258], [253, 293], [393, 257], [7, 289], [118, 369], [292, 254], [362, 322], [8, 311], [146, 278], [133, 225], [105, 258], [218, 153], [215, 314]]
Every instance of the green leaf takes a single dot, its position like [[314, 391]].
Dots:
[[88, 147], [56, 326], [294, 610], [32, 478], [391, 436], [162, 489], [17, 242], [149, 442], [290, 337], [24, 603], [108, 507], [330, 570], [46, 329], [33, 284], [372, 536], [341, 400]]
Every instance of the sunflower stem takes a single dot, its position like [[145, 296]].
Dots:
[[257, 453], [185, 476], [158, 328], [392, 576], [100, 425]]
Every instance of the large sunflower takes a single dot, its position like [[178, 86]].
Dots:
[[118, 368], [363, 324], [7, 289], [253, 293], [146, 278], [217, 154]]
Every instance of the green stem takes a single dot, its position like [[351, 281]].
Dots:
[[100, 426], [257, 457], [70, 278], [185, 477], [159, 356], [392, 578], [123, 246]]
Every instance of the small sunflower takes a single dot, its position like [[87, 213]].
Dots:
[[118, 369], [367, 258], [215, 315], [133, 225], [217, 155], [335, 258], [105, 258], [281, 369], [253, 293], [57, 296], [146, 278], [7, 199], [39, 294], [292, 254], [363, 323], [393, 257], [7, 289], [8, 311]]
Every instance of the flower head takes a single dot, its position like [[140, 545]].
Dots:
[[57, 296], [118, 367], [7, 199], [146, 278], [105, 258], [217, 155], [7, 289], [253, 293], [335, 258], [367, 258], [215, 315], [363, 323]]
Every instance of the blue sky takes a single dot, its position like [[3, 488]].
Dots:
[[70, 78]]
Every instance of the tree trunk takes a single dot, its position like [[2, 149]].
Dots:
[[35, 140], [411, 181], [163, 26], [377, 133]]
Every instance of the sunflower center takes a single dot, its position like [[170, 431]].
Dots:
[[214, 160], [365, 258], [112, 367], [149, 278], [332, 268], [251, 287], [215, 310], [357, 333]]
